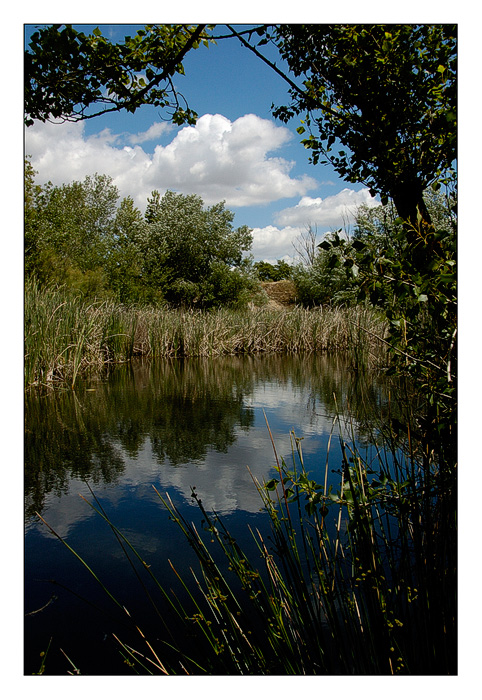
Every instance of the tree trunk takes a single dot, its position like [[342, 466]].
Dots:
[[411, 207]]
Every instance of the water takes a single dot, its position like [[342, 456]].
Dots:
[[173, 425]]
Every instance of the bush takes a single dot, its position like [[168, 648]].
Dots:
[[193, 254], [326, 281]]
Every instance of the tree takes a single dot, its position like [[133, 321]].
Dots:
[[193, 255], [73, 76], [124, 260], [31, 236], [68, 231], [421, 308], [385, 92], [79, 217], [153, 208], [267, 272]]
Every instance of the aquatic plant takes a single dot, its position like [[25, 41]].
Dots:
[[361, 580], [65, 336]]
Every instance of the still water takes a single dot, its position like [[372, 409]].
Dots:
[[173, 425]]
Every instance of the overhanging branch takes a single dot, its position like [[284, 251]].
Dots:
[[277, 70]]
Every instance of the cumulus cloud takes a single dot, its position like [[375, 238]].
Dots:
[[62, 153], [220, 159], [153, 132], [271, 243], [333, 211], [217, 159]]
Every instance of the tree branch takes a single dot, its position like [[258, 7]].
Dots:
[[135, 99], [277, 70], [172, 64]]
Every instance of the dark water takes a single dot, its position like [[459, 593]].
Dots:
[[173, 425]]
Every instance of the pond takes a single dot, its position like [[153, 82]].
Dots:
[[173, 425]]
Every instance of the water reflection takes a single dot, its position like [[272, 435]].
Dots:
[[174, 425], [184, 423]]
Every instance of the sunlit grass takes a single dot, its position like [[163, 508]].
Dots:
[[65, 335]]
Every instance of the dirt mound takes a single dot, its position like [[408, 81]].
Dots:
[[281, 294]]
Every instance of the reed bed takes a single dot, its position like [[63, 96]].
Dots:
[[65, 336]]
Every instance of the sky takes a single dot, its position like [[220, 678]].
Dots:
[[237, 152]]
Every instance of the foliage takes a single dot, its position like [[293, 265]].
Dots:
[[78, 235], [327, 280], [420, 304], [73, 76], [193, 255], [123, 261], [267, 272], [387, 93], [32, 246], [68, 231]]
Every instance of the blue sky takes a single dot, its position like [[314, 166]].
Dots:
[[237, 151]]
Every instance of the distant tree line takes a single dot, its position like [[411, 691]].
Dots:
[[183, 253], [178, 252]]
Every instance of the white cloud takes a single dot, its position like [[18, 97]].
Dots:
[[333, 211], [153, 132], [217, 159], [62, 153], [271, 243]]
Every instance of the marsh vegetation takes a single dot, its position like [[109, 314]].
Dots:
[[66, 335]]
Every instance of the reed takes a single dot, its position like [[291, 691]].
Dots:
[[65, 336], [360, 580], [346, 583]]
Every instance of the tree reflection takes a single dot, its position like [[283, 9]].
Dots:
[[183, 408]]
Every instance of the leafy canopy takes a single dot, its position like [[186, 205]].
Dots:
[[73, 76], [181, 252], [386, 93], [192, 254]]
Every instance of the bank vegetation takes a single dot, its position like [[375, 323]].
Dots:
[[67, 336]]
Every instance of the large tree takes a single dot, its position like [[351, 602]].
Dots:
[[192, 254], [68, 228], [385, 93]]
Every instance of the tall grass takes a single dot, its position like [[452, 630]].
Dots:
[[357, 581], [360, 580], [66, 335]]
